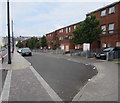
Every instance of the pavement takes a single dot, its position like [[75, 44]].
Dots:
[[24, 83], [21, 83]]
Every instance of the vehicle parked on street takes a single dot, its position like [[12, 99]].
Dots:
[[19, 50], [103, 53], [26, 52]]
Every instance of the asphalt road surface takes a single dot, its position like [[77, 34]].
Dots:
[[65, 77]]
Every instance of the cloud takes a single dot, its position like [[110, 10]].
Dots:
[[39, 18], [60, 0]]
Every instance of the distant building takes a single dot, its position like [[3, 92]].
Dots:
[[2, 42]]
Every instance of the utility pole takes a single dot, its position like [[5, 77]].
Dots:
[[8, 19], [12, 38]]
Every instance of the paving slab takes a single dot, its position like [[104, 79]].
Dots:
[[26, 87]]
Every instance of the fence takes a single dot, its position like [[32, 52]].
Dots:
[[87, 54]]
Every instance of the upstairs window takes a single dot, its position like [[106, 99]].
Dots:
[[103, 27], [74, 26], [60, 31], [112, 10], [70, 37], [103, 13], [60, 38], [111, 28], [67, 30]]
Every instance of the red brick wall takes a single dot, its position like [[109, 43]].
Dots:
[[51, 37], [109, 18]]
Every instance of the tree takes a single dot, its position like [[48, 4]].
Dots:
[[19, 44], [88, 31], [33, 43], [43, 41], [54, 45]]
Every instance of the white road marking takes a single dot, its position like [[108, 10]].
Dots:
[[49, 90], [5, 55], [6, 88]]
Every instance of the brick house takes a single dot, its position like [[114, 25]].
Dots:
[[50, 37], [65, 36], [109, 17]]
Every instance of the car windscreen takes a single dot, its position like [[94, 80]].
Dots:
[[26, 50], [107, 50]]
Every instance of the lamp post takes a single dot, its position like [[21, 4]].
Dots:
[[12, 38], [8, 19]]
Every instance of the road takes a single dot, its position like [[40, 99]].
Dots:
[[65, 77]]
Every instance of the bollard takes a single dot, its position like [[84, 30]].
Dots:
[[107, 56], [70, 52]]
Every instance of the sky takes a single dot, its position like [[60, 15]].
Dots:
[[39, 18]]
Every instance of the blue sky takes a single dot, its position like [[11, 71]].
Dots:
[[39, 18]]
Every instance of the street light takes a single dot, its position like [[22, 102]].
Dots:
[[8, 19], [12, 38]]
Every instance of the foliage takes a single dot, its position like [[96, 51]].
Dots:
[[88, 31], [33, 43], [19, 44], [43, 42], [54, 45]]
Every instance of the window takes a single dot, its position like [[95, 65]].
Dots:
[[103, 13], [104, 45], [60, 38], [112, 10], [60, 31], [74, 26], [67, 30], [108, 45], [111, 28], [103, 27], [66, 37], [118, 44], [48, 41], [70, 37]]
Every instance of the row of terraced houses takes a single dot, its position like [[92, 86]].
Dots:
[[109, 17]]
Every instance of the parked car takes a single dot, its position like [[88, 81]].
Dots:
[[19, 50], [26, 52], [103, 53]]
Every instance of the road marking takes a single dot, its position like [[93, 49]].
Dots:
[[5, 55], [49, 90], [6, 88]]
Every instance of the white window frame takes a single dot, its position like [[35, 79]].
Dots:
[[74, 26], [70, 37], [103, 13], [104, 45], [111, 10], [117, 43], [108, 45], [67, 30], [111, 28], [103, 27], [61, 31]]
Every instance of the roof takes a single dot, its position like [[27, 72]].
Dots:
[[104, 7]]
